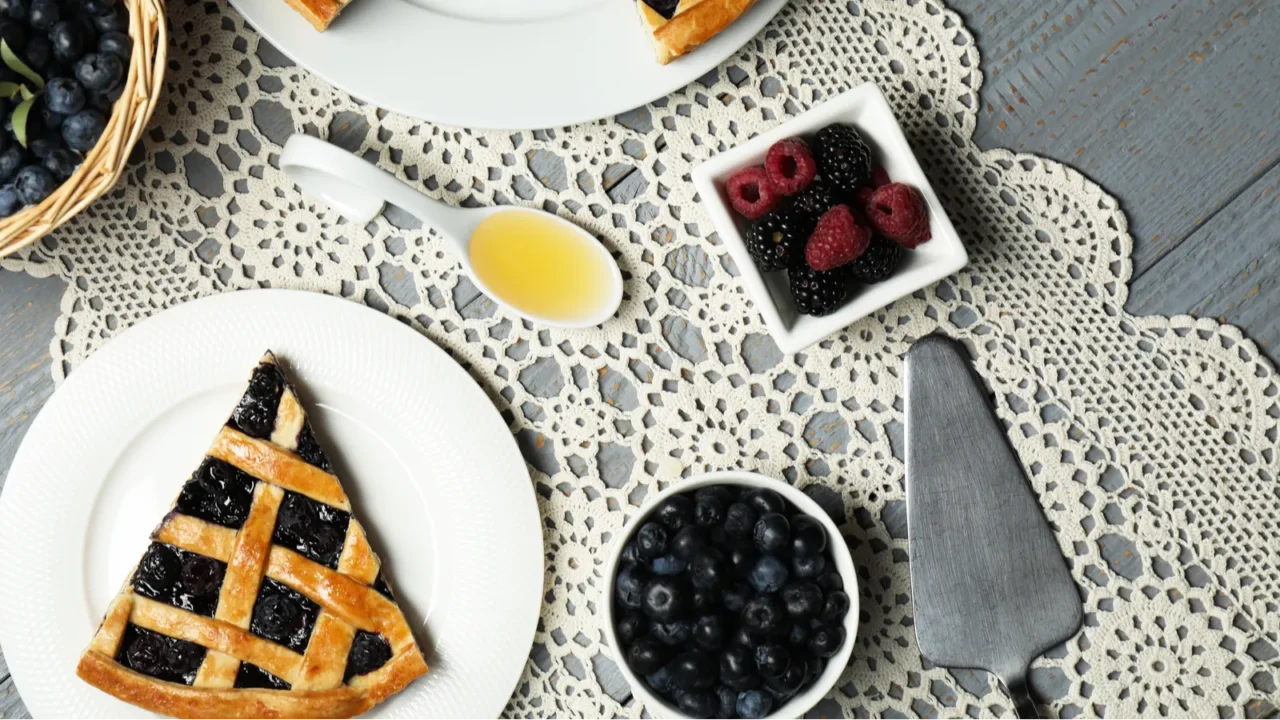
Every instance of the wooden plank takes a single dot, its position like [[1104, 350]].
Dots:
[[1229, 268], [1169, 105], [10, 703], [29, 308]]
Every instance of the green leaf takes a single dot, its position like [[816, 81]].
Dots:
[[15, 64], [9, 89], [20, 114], [26, 94]]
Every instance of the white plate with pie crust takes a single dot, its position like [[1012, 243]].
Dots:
[[500, 64], [433, 472]]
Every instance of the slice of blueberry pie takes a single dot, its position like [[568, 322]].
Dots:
[[259, 595], [679, 26]]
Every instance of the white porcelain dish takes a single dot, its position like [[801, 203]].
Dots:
[[802, 702], [433, 472], [866, 108], [500, 64]]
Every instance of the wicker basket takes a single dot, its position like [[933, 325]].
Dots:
[[104, 163]]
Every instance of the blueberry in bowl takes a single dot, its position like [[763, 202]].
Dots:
[[731, 595]]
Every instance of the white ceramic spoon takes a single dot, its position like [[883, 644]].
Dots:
[[359, 189]]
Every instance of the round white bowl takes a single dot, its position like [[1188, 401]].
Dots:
[[802, 702]]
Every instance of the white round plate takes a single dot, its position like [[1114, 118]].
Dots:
[[432, 470], [500, 64]]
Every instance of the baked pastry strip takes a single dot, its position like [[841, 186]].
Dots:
[[271, 464], [694, 24]]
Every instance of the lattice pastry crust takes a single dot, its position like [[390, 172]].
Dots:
[[678, 26], [252, 600]]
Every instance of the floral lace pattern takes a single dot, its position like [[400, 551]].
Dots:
[[1151, 442]]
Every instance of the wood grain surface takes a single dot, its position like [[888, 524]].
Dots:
[[1172, 107]]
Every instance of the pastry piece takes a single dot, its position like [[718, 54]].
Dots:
[[319, 12], [679, 26], [259, 595]]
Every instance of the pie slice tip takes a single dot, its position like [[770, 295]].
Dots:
[[259, 595], [679, 26]]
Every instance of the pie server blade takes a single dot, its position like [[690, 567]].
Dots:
[[990, 586]]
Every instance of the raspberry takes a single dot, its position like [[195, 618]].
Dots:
[[878, 262], [897, 211], [879, 178], [790, 166], [817, 292], [776, 241], [750, 192], [843, 158], [814, 200], [837, 240]]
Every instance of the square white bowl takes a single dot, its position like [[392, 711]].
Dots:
[[866, 108]]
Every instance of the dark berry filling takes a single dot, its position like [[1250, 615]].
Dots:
[[218, 492], [312, 528], [252, 676], [369, 651], [180, 578], [380, 584], [309, 449], [159, 656], [283, 615], [665, 8], [255, 416]]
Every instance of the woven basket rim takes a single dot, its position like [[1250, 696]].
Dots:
[[103, 164]]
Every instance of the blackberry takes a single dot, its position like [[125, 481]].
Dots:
[[817, 292], [843, 158], [878, 262], [777, 240], [814, 200]]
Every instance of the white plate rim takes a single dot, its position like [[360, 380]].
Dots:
[[24, 623], [374, 49]]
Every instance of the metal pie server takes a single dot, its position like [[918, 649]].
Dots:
[[990, 587]]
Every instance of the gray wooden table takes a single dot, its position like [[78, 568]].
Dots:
[[1186, 138]]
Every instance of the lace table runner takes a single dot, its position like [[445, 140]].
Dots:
[[1151, 442]]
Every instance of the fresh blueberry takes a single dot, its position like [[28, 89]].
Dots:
[[765, 615], [689, 541], [745, 638], [43, 15], [652, 540], [695, 669], [768, 575], [742, 557], [698, 703], [82, 130], [708, 570], [772, 533], [737, 666], [63, 95], [9, 201], [668, 565], [630, 626], [825, 641], [708, 512], [16, 9], [97, 7], [116, 43], [666, 599], [674, 634], [719, 493], [630, 586], [807, 535], [99, 72], [835, 607], [4, 137], [734, 597], [114, 20], [704, 600], [772, 660], [68, 41], [808, 566], [675, 512], [13, 32], [754, 704], [646, 655], [830, 580], [660, 680], [38, 51], [10, 160], [740, 520], [785, 685], [42, 147], [709, 632], [799, 634], [803, 600], [765, 501], [727, 702]]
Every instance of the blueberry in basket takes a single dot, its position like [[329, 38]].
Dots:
[[727, 601], [63, 64]]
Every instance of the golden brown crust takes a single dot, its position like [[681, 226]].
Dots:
[[277, 466], [318, 12], [357, 559], [325, 661], [249, 557], [191, 702], [693, 24], [392, 677]]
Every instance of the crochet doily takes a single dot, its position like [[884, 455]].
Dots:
[[1150, 441]]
